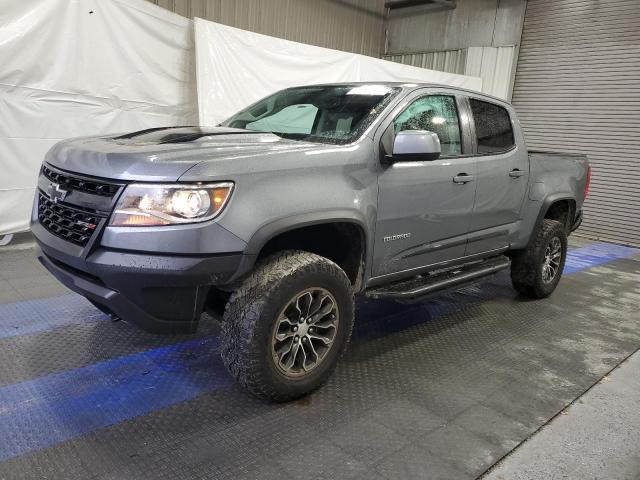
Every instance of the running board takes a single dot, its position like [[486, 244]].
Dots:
[[424, 285]]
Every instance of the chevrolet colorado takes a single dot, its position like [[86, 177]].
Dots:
[[281, 214]]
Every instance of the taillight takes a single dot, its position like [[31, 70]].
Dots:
[[586, 185]]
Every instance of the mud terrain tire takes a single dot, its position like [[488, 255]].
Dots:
[[528, 273], [255, 312]]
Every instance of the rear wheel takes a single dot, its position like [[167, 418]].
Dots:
[[287, 325], [536, 271]]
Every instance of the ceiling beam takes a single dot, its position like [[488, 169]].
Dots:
[[437, 4]]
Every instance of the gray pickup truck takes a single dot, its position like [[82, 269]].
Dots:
[[279, 216]]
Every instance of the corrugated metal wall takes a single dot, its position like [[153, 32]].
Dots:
[[478, 37], [452, 61], [349, 25], [473, 23], [577, 89], [493, 64]]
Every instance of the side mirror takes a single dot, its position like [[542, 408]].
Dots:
[[416, 146]]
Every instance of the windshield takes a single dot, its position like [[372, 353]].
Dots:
[[325, 113]]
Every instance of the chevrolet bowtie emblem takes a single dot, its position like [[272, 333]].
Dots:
[[56, 194]]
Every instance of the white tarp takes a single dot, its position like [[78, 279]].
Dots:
[[70, 68], [236, 68], [80, 67]]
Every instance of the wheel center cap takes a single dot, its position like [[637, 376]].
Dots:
[[303, 328]]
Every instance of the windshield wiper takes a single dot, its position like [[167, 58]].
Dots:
[[292, 136]]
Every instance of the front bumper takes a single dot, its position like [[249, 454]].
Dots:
[[159, 293], [158, 278]]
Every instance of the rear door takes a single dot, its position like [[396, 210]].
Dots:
[[423, 214], [502, 176]]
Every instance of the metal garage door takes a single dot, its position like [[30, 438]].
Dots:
[[577, 89]]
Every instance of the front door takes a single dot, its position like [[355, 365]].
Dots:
[[423, 213], [502, 177]]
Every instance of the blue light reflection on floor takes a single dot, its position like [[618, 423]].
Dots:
[[595, 254], [38, 413], [385, 317], [41, 412], [34, 316]]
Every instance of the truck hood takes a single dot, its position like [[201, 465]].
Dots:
[[164, 154]]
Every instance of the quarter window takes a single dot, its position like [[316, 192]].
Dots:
[[493, 127], [435, 113]]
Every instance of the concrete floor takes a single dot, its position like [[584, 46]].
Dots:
[[444, 389], [598, 436]]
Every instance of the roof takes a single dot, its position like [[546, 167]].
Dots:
[[408, 86]]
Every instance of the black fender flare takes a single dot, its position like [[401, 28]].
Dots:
[[547, 202], [282, 225]]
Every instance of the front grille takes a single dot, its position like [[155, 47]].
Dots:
[[71, 224], [81, 184]]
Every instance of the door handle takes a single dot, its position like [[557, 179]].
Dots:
[[463, 178], [516, 173]]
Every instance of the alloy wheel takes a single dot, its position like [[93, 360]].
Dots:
[[552, 258], [305, 331]]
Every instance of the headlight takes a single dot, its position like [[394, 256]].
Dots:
[[148, 205]]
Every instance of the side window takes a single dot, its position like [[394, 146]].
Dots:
[[493, 127], [438, 114]]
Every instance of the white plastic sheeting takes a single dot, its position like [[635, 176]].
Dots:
[[236, 68], [80, 67], [71, 68]]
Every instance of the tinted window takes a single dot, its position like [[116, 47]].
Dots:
[[324, 113], [438, 114], [493, 127]]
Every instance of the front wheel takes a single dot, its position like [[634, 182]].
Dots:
[[287, 325], [536, 271]]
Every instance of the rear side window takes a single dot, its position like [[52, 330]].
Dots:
[[493, 127]]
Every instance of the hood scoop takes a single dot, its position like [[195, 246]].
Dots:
[[176, 135]]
